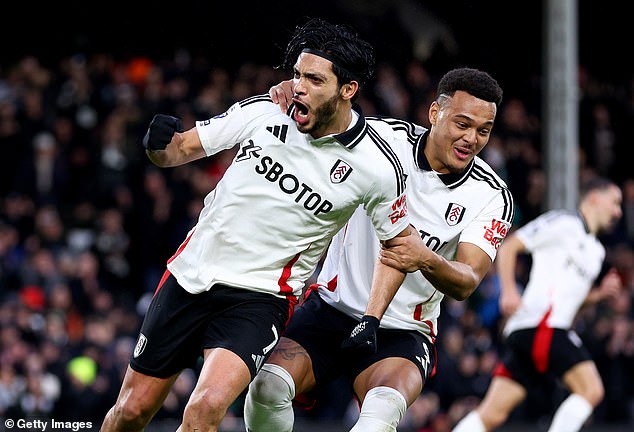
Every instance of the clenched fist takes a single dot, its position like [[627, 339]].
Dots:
[[161, 130]]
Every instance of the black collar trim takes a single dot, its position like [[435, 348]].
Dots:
[[351, 137]]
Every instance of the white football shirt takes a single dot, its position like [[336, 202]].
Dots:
[[271, 217], [474, 206], [566, 260]]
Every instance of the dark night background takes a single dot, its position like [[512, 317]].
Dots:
[[504, 37]]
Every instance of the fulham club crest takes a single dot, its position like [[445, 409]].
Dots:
[[454, 214], [340, 171]]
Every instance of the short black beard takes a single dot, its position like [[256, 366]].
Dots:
[[324, 114]]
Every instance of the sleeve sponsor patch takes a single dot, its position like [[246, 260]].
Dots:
[[496, 232], [399, 209]]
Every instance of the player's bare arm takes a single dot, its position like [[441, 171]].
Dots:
[[457, 279], [386, 281], [185, 147], [505, 261], [167, 145], [610, 286], [385, 284]]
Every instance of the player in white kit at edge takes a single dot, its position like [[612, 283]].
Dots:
[[462, 211], [540, 342]]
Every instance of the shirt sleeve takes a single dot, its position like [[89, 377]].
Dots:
[[389, 216], [542, 230], [385, 205], [489, 229], [235, 125]]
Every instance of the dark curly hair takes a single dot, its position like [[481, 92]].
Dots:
[[473, 81], [352, 57]]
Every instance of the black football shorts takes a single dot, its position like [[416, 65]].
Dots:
[[179, 325], [320, 328], [531, 354]]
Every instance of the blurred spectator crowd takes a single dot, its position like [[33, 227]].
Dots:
[[87, 224]]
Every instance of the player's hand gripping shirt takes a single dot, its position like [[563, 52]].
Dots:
[[474, 206], [566, 260], [271, 216]]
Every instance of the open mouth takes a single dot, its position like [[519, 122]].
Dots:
[[301, 108], [301, 112], [462, 153]]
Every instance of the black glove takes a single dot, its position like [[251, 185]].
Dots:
[[363, 336], [161, 131]]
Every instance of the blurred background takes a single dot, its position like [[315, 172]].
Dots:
[[87, 223]]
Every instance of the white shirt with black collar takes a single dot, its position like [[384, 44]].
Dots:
[[473, 206], [270, 218]]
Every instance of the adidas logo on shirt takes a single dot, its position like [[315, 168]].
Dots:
[[278, 132]]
